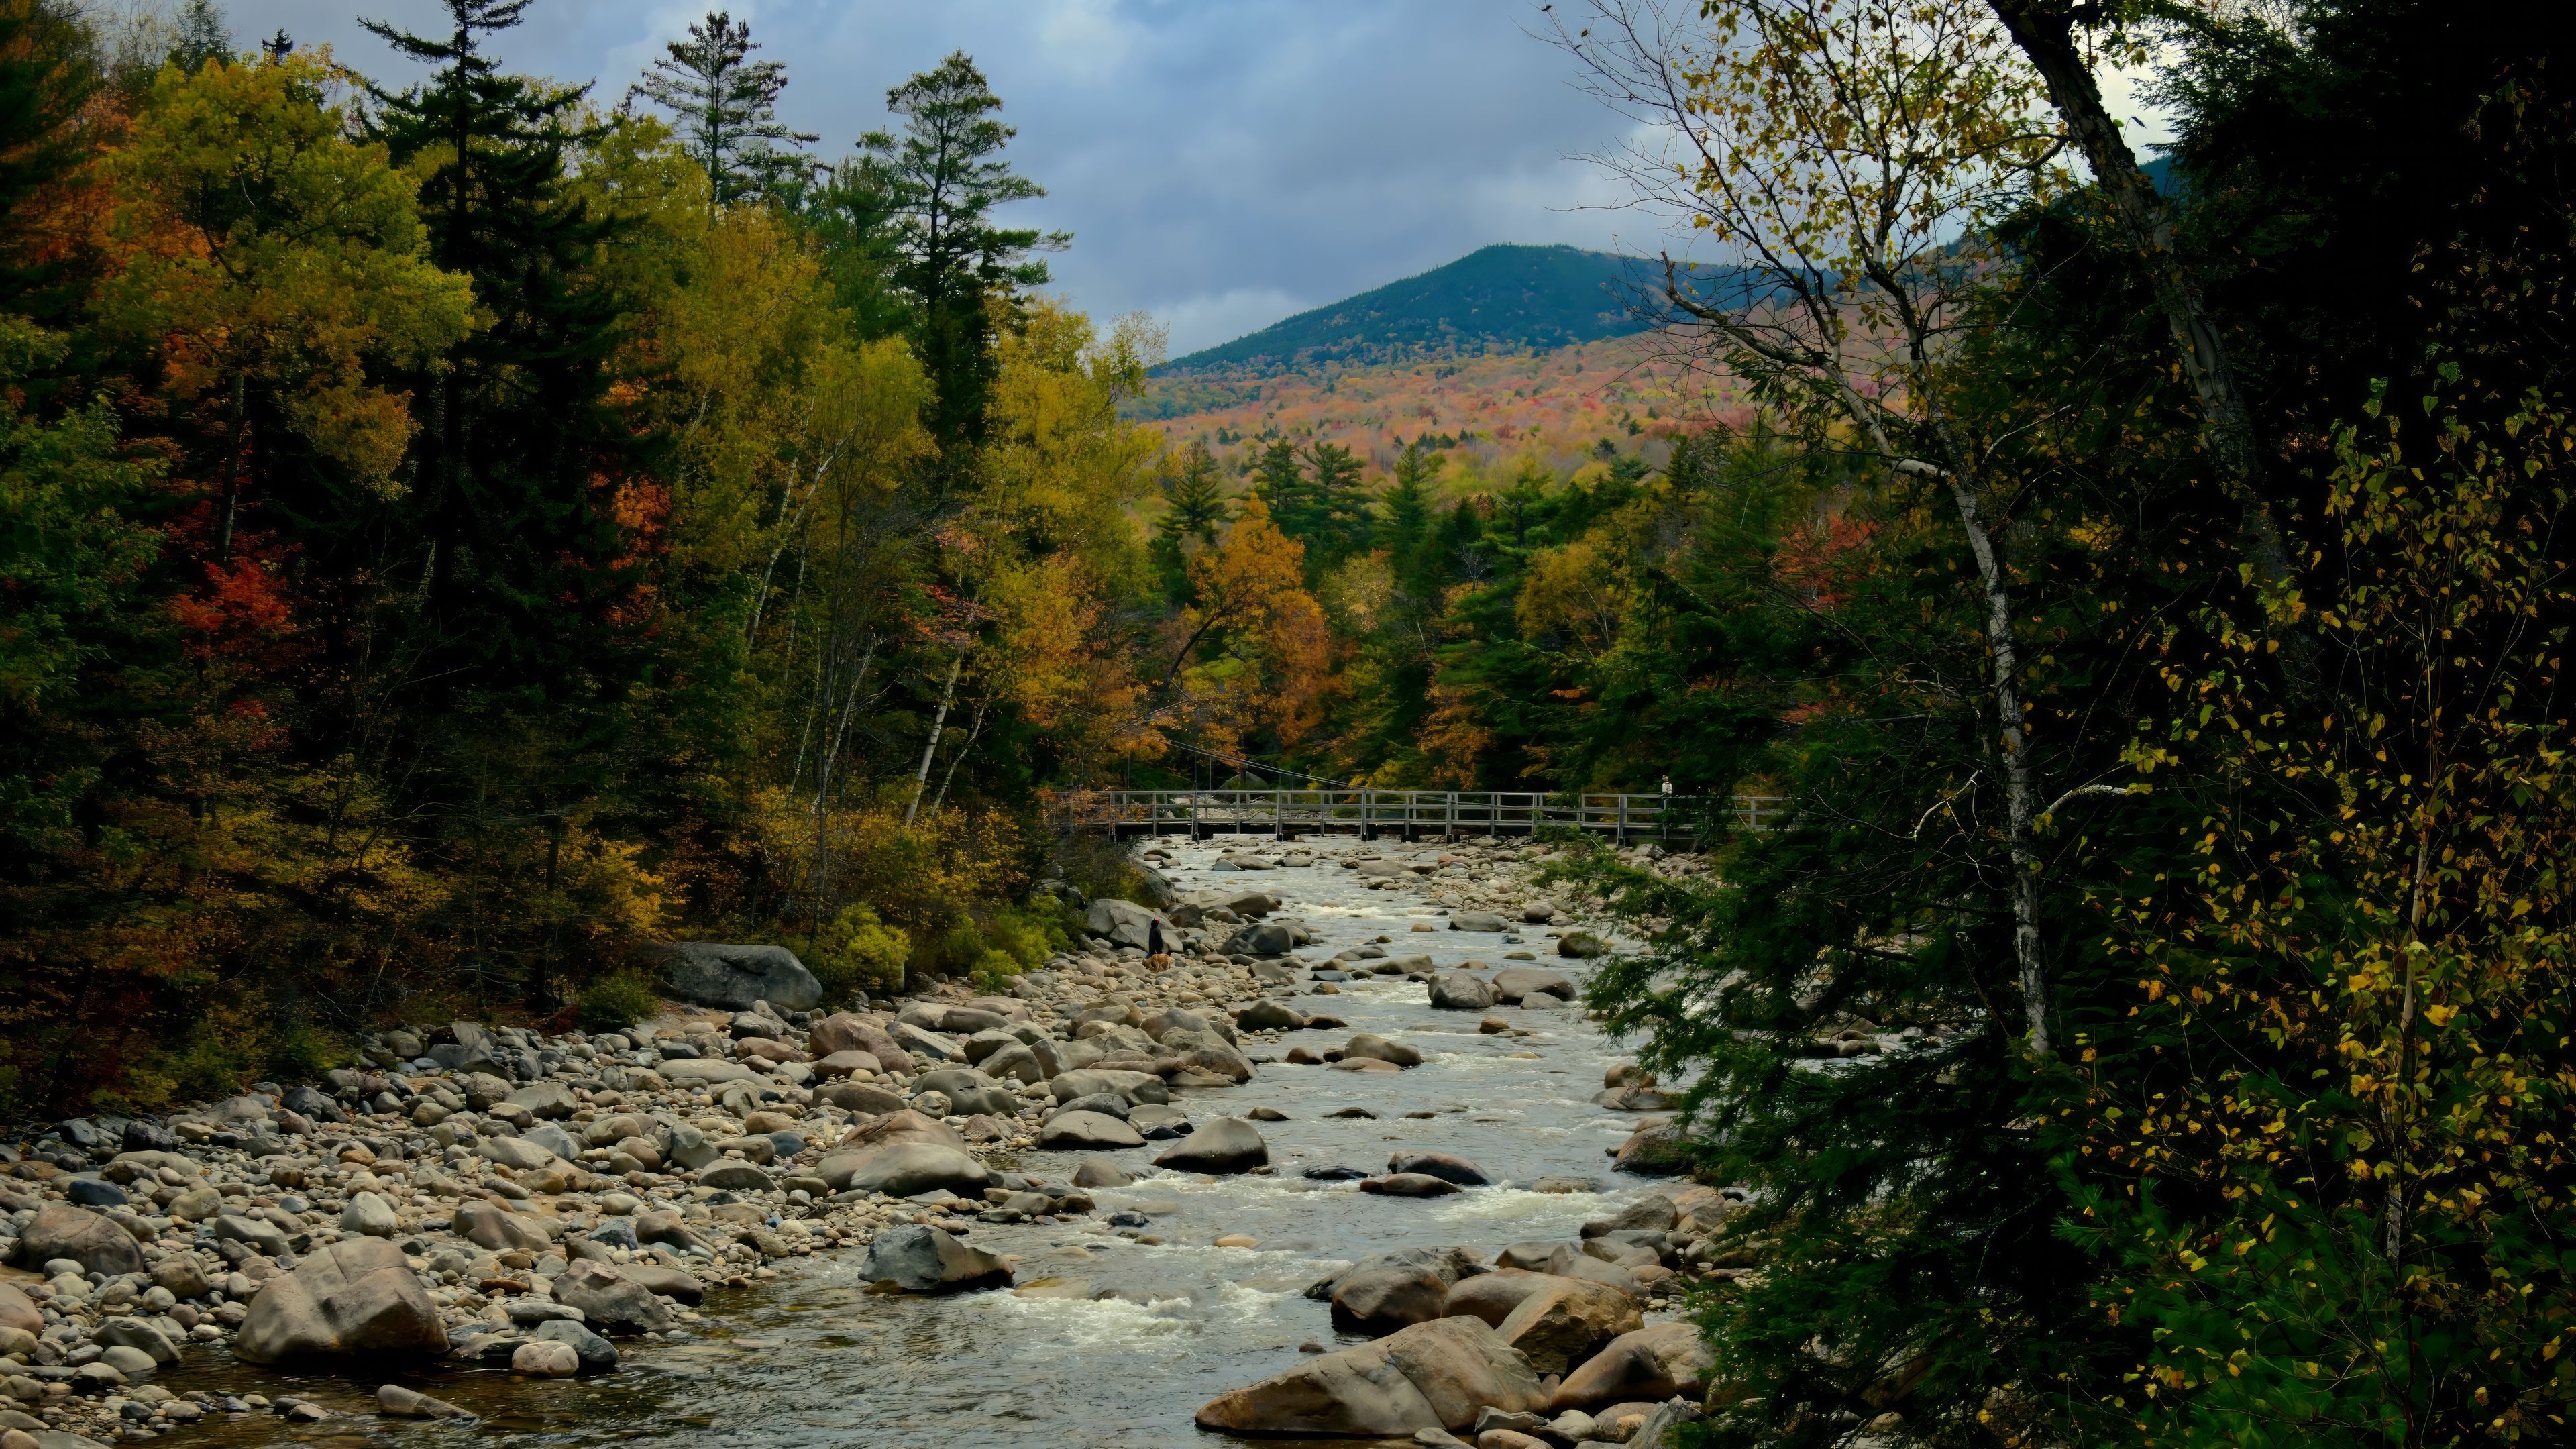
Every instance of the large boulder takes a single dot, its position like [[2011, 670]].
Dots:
[[356, 1296], [1382, 1300], [1477, 921], [95, 1241], [1228, 1144], [1270, 938], [1566, 1320], [713, 973], [906, 1169], [1649, 1364], [1202, 1051], [1492, 1296], [1435, 1375], [1121, 923], [1452, 1265], [1077, 1130], [1654, 1151], [17, 1310], [1270, 1015], [610, 1300], [919, 1258], [1458, 991], [1518, 983]]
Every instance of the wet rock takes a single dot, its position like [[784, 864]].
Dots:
[[1452, 1264], [1365, 1064], [919, 1258], [1270, 938], [1477, 921], [735, 976], [398, 1402], [1368, 1046], [1076, 1130], [97, 1242], [1433, 1375], [1656, 1362], [1228, 1144], [1100, 1172], [1458, 991], [1408, 1184], [1382, 1300], [1636, 1099], [1557, 1182], [1581, 945], [1447, 1166], [1494, 1026], [1539, 913], [354, 1296], [1651, 1213], [611, 1299]]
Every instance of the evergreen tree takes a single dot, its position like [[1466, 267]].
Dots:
[[1193, 496], [1404, 529], [726, 107], [204, 35], [1279, 481], [46, 77], [942, 178]]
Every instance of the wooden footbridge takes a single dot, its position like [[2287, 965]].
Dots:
[[1409, 814]]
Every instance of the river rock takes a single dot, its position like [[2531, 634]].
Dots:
[[1267, 938], [138, 1335], [1228, 1144], [354, 1296], [1382, 1300], [1447, 1166], [1492, 1296], [597, 1354], [1408, 1184], [1518, 983], [1434, 1375], [707, 1072], [1581, 945], [1121, 923], [1452, 1264], [402, 1403], [734, 976], [847, 1061], [677, 1284], [865, 1097], [1075, 1130], [1458, 991], [538, 1358], [610, 1299], [1656, 1362], [905, 1168], [1566, 1320], [95, 1241], [369, 1216], [1653, 1152], [1539, 913], [1477, 921], [1134, 1086], [17, 1310], [488, 1226], [845, 1031], [1652, 1213], [1270, 1015], [1100, 1172], [1570, 1261], [919, 1258], [736, 1177], [1380, 1049]]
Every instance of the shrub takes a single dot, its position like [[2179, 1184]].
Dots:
[[855, 954], [618, 1001]]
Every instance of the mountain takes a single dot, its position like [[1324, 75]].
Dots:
[[1496, 299]]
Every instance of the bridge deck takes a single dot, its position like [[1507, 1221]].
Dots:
[[1406, 813]]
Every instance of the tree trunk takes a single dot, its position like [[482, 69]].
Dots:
[[938, 722], [232, 475], [2044, 31], [950, 777]]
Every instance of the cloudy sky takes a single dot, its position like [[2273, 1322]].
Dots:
[[1221, 163]]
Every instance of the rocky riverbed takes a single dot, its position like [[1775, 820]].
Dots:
[[1348, 1163]]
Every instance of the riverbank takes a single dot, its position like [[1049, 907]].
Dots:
[[516, 1243]]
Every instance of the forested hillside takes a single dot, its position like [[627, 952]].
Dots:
[[1494, 299]]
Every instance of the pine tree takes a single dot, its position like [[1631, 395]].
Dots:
[[1193, 497], [943, 176], [726, 107], [1404, 529], [204, 35]]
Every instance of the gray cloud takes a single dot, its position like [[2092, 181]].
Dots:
[[1221, 163]]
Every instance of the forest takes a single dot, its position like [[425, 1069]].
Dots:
[[452, 533]]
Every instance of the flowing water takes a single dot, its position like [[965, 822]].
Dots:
[[812, 1358]]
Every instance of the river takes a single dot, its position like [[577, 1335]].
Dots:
[[813, 1358]]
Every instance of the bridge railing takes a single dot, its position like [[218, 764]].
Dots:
[[1408, 813]]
